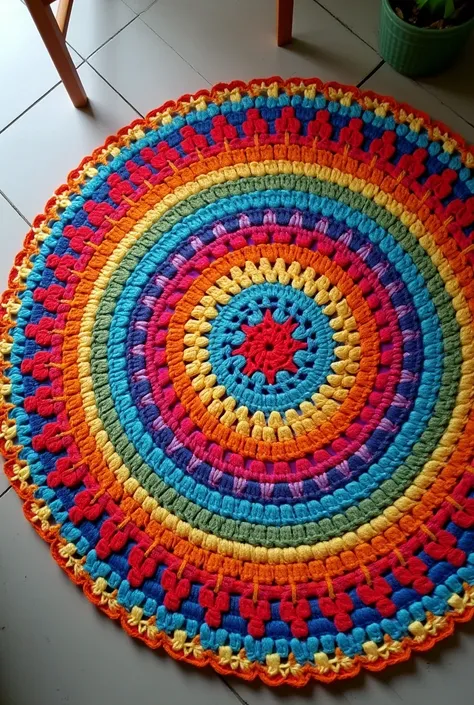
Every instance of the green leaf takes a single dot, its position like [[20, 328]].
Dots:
[[437, 8], [449, 9]]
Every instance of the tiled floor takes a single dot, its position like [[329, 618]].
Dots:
[[133, 55]]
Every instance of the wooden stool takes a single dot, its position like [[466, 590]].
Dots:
[[53, 32]]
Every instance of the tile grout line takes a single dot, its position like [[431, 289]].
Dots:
[[5, 491], [82, 58], [59, 83], [115, 90], [44, 94], [152, 2], [176, 52], [371, 73], [345, 25], [101, 46], [2, 193], [32, 105], [232, 690], [434, 95]]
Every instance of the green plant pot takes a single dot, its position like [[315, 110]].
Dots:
[[417, 51]]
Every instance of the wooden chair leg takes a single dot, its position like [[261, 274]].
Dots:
[[56, 45], [284, 22], [63, 15]]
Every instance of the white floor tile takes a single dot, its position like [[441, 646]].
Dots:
[[361, 16], [367, 691], [26, 70], [139, 5], [388, 82], [230, 39], [94, 22], [455, 86], [144, 69], [44, 145], [58, 649]]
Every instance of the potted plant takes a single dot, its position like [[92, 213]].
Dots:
[[422, 37]]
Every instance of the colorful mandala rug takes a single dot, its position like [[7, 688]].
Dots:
[[238, 380]]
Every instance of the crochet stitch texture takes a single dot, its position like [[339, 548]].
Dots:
[[237, 379]]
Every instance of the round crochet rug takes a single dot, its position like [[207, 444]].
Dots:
[[238, 379]]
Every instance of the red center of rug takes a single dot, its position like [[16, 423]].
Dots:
[[269, 347]]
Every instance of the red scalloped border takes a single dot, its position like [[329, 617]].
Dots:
[[11, 455]]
